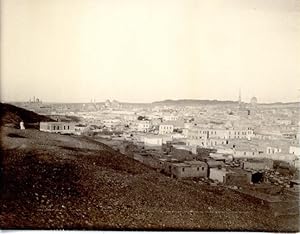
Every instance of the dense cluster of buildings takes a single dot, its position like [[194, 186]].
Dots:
[[253, 136]]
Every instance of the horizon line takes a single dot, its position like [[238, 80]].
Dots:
[[153, 102]]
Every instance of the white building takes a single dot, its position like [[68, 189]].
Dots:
[[273, 150], [195, 133], [283, 121], [189, 125], [202, 133], [143, 126], [213, 142], [130, 118], [153, 140], [58, 127], [197, 142], [221, 157], [245, 153], [80, 128], [295, 150], [165, 129], [110, 122], [192, 149], [170, 118], [224, 150]]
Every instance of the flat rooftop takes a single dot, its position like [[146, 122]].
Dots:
[[195, 162]]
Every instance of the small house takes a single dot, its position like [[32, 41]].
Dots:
[[229, 177], [189, 169]]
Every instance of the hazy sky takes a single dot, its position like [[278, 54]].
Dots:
[[149, 50]]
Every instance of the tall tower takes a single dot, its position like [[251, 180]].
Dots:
[[240, 97]]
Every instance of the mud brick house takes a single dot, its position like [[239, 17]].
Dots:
[[230, 177], [188, 169]]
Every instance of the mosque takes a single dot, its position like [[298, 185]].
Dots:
[[247, 108]]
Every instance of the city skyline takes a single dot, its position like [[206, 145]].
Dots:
[[146, 51], [93, 100]]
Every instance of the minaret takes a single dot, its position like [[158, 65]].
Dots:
[[240, 97]]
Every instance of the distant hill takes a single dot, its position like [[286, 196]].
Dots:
[[13, 115], [193, 102], [213, 102], [281, 104]]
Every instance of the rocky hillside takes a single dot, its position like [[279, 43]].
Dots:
[[12, 116], [51, 181]]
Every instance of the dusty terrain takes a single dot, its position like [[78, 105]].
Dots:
[[51, 181], [13, 115]]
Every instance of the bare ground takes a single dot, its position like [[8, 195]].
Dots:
[[51, 181]]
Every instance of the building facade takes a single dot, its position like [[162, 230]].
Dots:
[[165, 129], [143, 126], [189, 169], [58, 127]]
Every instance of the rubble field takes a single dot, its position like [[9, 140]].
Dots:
[[53, 181]]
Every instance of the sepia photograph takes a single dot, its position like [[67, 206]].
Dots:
[[150, 115]]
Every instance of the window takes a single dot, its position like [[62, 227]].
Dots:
[[57, 127], [202, 168], [68, 127], [53, 127], [64, 127], [197, 168], [244, 153], [182, 169]]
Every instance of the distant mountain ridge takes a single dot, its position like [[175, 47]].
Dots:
[[192, 102], [211, 102]]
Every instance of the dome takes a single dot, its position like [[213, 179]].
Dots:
[[107, 103], [253, 100]]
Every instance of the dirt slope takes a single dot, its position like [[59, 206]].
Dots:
[[51, 181], [10, 114]]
